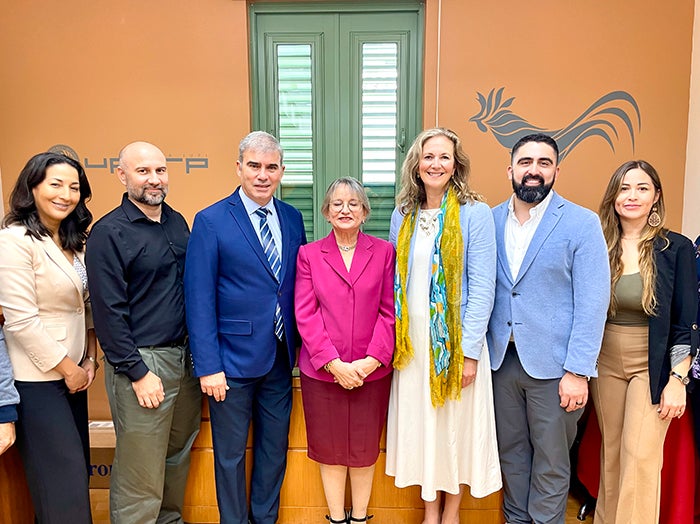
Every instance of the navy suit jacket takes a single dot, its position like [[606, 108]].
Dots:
[[231, 291]]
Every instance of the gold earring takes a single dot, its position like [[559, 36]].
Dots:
[[654, 220]]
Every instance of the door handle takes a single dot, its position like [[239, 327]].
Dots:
[[401, 142]]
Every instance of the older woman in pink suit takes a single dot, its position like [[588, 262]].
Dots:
[[345, 313]]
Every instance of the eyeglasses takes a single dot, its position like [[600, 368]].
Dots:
[[337, 206]]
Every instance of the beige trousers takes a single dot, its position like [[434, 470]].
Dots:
[[632, 433]]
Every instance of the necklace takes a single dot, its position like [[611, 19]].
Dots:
[[428, 221], [346, 248]]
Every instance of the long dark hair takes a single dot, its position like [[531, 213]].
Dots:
[[73, 228]]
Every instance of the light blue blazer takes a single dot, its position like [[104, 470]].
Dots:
[[557, 305], [479, 277]]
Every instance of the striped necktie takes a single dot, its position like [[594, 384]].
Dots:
[[268, 244]]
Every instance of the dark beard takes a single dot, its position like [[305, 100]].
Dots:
[[531, 194], [144, 198]]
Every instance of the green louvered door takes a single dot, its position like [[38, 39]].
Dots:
[[341, 89]]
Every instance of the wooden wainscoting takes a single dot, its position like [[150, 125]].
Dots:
[[302, 499], [15, 502]]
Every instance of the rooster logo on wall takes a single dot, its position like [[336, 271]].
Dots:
[[602, 119]]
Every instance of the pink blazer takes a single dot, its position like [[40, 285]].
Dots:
[[341, 314]]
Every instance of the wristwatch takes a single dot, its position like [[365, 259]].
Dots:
[[94, 361], [684, 380], [577, 375]]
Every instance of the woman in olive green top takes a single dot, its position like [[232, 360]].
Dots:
[[649, 338]]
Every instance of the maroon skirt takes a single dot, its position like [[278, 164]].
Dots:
[[343, 427]]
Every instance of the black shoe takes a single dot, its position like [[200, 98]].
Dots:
[[363, 519], [587, 508], [333, 521]]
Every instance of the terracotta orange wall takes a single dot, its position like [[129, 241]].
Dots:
[[96, 75], [556, 58]]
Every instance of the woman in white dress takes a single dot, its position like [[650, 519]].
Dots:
[[441, 432]]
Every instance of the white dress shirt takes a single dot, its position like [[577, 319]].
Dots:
[[272, 219], [518, 236]]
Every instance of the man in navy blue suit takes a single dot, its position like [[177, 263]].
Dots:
[[239, 294]]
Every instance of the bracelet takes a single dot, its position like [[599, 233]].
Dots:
[[94, 361], [327, 365], [683, 380]]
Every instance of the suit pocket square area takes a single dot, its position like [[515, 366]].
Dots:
[[235, 327]]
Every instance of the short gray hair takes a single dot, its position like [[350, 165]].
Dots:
[[260, 141], [355, 186]]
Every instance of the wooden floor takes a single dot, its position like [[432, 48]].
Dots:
[[572, 510], [100, 510]]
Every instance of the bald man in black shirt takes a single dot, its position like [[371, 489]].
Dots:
[[135, 258]]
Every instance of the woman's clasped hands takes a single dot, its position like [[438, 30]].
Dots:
[[352, 375]]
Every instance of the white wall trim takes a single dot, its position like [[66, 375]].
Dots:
[[691, 191], [437, 68], [2, 199]]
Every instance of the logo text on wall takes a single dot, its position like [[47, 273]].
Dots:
[[190, 163]]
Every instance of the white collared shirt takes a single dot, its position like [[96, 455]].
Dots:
[[272, 219], [518, 236]]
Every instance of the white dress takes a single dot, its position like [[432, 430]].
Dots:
[[438, 448]]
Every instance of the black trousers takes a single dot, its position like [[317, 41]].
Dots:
[[53, 441]]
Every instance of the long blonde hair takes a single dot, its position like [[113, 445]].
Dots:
[[412, 191], [612, 230]]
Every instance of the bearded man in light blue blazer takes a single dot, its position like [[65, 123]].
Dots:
[[552, 294]]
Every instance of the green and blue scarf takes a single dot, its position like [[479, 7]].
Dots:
[[447, 359]]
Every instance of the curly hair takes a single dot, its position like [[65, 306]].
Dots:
[[412, 191]]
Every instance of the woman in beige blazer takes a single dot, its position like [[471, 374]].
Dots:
[[48, 330]]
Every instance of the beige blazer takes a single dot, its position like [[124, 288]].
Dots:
[[47, 313]]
